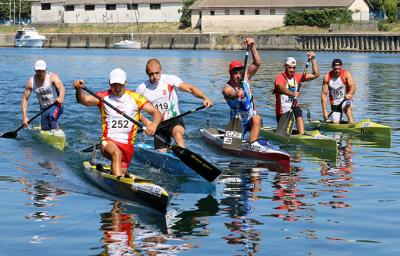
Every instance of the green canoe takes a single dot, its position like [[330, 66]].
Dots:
[[312, 139], [364, 127], [56, 137]]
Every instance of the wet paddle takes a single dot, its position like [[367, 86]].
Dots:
[[286, 122], [13, 134], [191, 159], [161, 125], [233, 131]]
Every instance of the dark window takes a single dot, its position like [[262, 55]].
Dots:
[[155, 6], [226, 12], [132, 6], [46, 7], [69, 8], [212, 12], [89, 7], [257, 12], [241, 12], [272, 11], [111, 7]]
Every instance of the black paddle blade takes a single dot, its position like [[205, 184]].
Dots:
[[9, 135], [90, 149], [233, 134], [196, 163], [285, 125]]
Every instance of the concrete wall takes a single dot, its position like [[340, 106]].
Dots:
[[57, 14], [212, 41]]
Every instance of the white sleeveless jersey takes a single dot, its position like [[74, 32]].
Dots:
[[46, 93], [337, 90], [162, 94]]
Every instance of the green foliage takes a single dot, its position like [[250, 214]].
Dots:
[[319, 18], [5, 9], [390, 9], [185, 13]]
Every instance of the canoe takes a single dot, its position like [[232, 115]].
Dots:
[[312, 139], [215, 137], [55, 137], [364, 127], [130, 187], [167, 161]]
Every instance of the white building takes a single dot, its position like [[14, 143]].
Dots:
[[257, 15], [101, 11]]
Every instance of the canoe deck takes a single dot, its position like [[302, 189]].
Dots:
[[130, 187], [55, 137], [214, 136], [167, 161], [311, 139], [364, 127]]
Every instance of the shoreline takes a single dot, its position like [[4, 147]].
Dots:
[[362, 42]]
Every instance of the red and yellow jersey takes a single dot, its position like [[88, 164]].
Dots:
[[283, 101], [338, 87], [115, 126]]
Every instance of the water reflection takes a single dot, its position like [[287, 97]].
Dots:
[[242, 186], [131, 230]]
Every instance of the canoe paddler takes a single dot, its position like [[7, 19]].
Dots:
[[287, 85], [340, 86], [119, 133], [161, 90], [240, 102], [49, 89]]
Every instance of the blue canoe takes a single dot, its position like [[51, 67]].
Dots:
[[167, 161]]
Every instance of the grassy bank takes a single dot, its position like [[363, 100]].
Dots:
[[174, 28]]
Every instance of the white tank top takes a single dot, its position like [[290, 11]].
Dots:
[[337, 90], [46, 93], [162, 94]]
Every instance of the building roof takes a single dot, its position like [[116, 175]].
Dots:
[[206, 4], [81, 2]]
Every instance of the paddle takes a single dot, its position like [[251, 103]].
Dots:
[[14, 133], [286, 122], [191, 159], [233, 131], [161, 125]]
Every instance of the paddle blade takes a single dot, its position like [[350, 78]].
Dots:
[[196, 163], [9, 135], [285, 125], [233, 134]]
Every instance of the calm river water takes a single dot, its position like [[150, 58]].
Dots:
[[349, 206]]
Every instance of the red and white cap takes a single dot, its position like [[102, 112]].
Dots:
[[290, 61], [235, 64]]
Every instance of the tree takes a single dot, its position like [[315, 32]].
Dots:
[[186, 20]]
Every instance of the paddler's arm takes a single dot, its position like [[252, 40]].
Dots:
[[155, 113], [253, 67], [56, 81], [24, 102], [185, 87], [282, 89], [324, 96], [315, 68], [352, 85], [81, 97], [231, 93]]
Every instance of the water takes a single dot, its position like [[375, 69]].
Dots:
[[321, 207]]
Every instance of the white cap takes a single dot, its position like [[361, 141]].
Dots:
[[40, 65], [290, 61], [117, 76]]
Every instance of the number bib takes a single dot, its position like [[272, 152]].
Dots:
[[118, 124]]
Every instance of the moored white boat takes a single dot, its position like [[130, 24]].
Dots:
[[30, 38], [127, 44]]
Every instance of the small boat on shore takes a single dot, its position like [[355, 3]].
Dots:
[[312, 139], [164, 160], [29, 38], [130, 186], [215, 137], [364, 127], [55, 138], [127, 44]]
